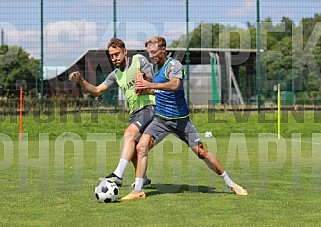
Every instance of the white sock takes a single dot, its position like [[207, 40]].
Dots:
[[226, 179], [139, 184], [122, 166]]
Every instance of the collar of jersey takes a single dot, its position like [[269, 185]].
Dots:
[[155, 73]]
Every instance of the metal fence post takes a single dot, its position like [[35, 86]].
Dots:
[[42, 56], [187, 54], [258, 56]]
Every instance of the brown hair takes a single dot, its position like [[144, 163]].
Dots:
[[115, 42], [159, 40]]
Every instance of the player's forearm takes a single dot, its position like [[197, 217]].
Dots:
[[151, 91], [168, 86], [89, 87]]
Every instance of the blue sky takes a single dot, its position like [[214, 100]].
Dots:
[[72, 27]]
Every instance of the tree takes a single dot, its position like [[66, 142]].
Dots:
[[206, 35], [23, 68], [284, 59]]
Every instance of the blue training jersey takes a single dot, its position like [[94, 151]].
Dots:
[[169, 105]]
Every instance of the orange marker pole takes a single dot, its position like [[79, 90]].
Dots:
[[21, 108]]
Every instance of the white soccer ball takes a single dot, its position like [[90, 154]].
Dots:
[[208, 134], [106, 191]]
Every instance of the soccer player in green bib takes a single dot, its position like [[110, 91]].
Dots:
[[141, 105]]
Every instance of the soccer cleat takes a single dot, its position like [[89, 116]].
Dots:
[[134, 195], [237, 189], [113, 178], [147, 181]]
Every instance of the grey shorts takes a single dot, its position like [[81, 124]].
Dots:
[[142, 117], [182, 128]]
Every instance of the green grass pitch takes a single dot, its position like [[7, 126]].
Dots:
[[48, 179]]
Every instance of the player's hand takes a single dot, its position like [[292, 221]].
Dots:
[[142, 84], [74, 76], [139, 77]]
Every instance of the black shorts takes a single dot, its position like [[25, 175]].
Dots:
[[182, 128], [142, 117]]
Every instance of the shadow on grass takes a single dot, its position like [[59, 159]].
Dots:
[[155, 189]]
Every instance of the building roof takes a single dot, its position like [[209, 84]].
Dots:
[[97, 56], [50, 72]]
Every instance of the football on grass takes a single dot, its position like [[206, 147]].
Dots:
[[106, 191]]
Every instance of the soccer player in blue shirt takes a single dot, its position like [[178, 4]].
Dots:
[[171, 116]]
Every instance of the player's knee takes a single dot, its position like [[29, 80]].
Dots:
[[129, 135], [141, 152], [201, 152], [142, 146]]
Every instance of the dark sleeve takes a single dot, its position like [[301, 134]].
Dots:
[[110, 80]]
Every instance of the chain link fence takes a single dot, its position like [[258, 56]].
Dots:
[[229, 58]]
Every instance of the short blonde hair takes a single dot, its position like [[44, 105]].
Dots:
[[159, 40]]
